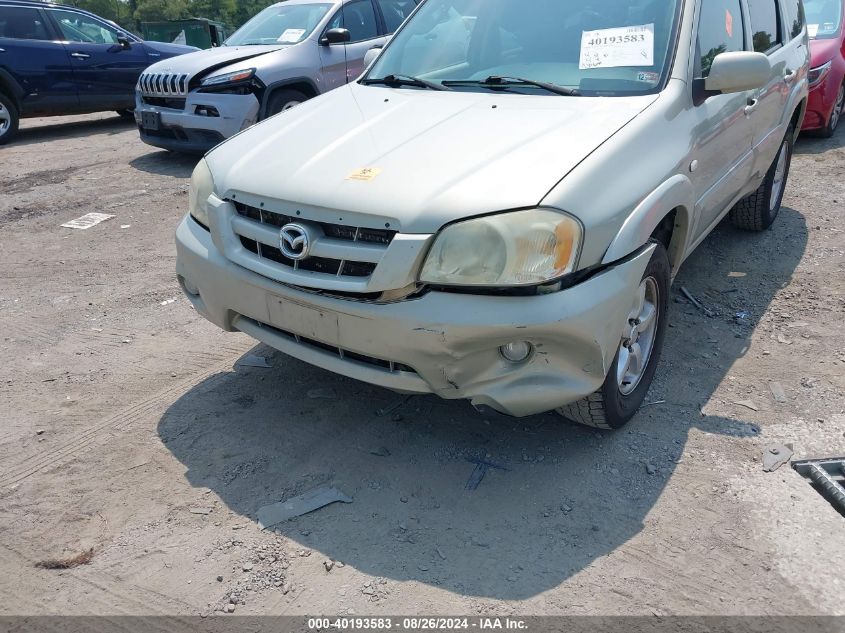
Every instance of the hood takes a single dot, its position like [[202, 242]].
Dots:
[[822, 51], [170, 49], [438, 156], [202, 62]]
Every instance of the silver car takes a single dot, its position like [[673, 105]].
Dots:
[[495, 211], [287, 54]]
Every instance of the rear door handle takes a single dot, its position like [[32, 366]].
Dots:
[[789, 76], [80, 55], [752, 105]]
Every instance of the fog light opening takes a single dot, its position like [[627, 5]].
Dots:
[[189, 287], [517, 352]]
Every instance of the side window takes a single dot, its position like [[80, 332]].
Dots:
[[764, 24], [77, 27], [20, 23], [360, 18], [719, 31], [794, 18], [395, 12]]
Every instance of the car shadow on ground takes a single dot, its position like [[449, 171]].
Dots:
[[565, 495], [63, 129], [164, 163], [810, 144]]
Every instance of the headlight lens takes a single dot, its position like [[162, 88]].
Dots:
[[818, 73], [202, 186], [521, 248], [229, 78]]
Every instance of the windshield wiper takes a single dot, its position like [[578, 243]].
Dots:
[[404, 80], [494, 82]]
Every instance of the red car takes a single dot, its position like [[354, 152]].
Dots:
[[827, 65]]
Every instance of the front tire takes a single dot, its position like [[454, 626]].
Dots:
[[758, 211], [632, 371], [835, 115], [9, 119], [284, 100], [126, 113]]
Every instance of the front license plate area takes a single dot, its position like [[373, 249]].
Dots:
[[303, 320], [150, 120]]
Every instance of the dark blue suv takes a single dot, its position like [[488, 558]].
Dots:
[[61, 60]]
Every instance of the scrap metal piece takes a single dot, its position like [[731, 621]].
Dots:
[[775, 456], [252, 360], [828, 475], [481, 468], [276, 513]]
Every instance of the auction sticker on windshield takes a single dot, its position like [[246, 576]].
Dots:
[[291, 36], [622, 46]]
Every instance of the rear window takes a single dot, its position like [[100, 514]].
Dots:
[[764, 24], [21, 23]]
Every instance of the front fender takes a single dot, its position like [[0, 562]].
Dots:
[[675, 194]]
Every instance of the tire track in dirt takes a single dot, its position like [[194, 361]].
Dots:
[[119, 421]]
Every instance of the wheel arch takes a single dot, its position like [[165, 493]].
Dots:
[[665, 215], [10, 87], [303, 84]]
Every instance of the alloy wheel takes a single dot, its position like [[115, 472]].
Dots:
[[5, 120], [780, 176], [837, 109], [639, 337]]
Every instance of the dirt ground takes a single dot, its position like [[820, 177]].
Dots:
[[127, 428]]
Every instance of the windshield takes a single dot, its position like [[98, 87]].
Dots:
[[280, 25], [823, 18], [606, 47]]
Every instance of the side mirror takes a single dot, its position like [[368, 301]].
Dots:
[[335, 36], [124, 42], [737, 72], [371, 55]]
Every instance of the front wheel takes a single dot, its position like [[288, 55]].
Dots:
[[284, 100], [835, 115], [126, 113], [632, 371]]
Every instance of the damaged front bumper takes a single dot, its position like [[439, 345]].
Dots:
[[206, 120], [442, 343]]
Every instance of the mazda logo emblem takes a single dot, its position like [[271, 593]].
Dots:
[[294, 241]]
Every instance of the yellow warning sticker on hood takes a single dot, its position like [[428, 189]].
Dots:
[[366, 174]]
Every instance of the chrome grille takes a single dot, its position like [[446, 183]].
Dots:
[[343, 252], [163, 85]]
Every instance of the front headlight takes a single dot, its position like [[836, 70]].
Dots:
[[521, 248], [202, 186], [229, 78], [818, 73]]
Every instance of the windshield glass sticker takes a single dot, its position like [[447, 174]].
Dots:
[[729, 23], [648, 77], [366, 174], [612, 48], [812, 30], [291, 36]]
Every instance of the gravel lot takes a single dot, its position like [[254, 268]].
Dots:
[[130, 431]]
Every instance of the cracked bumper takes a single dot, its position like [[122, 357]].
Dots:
[[184, 130], [441, 343]]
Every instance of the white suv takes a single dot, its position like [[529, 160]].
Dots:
[[496, 209]]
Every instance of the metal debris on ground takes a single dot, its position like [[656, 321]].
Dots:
[[205, 511], [251, 360], [481, 468], [697, 303], [87, 221], [828, 477], [392, 407], [775, 456], [748, 404], [276, 513]]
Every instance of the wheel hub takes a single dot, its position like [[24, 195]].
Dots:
[[638, 337]]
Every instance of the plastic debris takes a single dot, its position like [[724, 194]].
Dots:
[[251, 360], [87, 221], [775, 456], [276, 513], [481, 468]]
